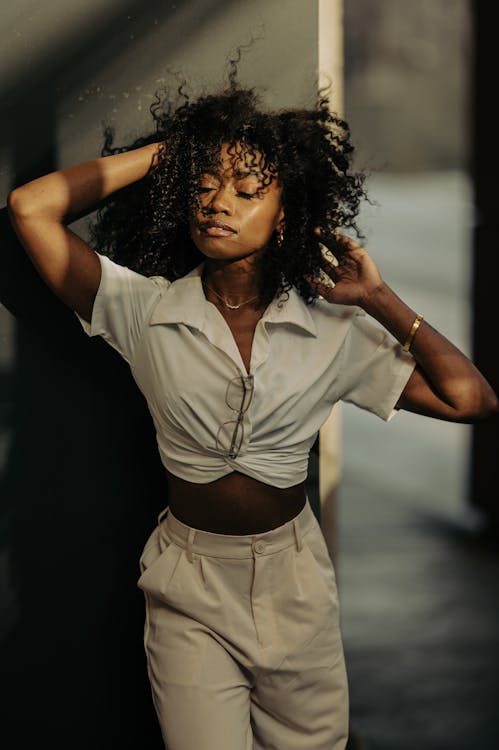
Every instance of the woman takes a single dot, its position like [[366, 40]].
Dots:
[[210, 281]]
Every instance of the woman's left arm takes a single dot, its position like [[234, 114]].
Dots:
[[445, 383]]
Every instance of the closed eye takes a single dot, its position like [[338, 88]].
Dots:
[[203, 189], [247, 196]]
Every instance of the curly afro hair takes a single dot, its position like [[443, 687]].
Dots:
[[145, 225]]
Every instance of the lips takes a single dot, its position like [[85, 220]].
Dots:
[[215, 228]]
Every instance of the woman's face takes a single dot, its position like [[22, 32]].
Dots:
[[237, 213]]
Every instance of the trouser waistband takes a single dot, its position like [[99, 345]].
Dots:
[[197, 541]]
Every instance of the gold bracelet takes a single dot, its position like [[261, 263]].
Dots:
[[412, 333]]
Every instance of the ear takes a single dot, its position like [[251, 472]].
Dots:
[[280, 220]]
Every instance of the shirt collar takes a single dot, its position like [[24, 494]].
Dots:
[[184, 302]]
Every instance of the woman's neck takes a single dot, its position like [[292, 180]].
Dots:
[[233, 281]]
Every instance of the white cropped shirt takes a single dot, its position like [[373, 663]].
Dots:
[[304, 359]]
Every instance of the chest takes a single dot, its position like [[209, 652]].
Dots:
[[184, 372], [242, 327]]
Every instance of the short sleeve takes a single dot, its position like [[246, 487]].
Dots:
[[374, 369], [121, 305]]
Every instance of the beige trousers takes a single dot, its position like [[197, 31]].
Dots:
[[242, 638]]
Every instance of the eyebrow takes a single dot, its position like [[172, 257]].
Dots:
[[238, 174]]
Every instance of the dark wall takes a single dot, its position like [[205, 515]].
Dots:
[[80, 488], [485, 444]]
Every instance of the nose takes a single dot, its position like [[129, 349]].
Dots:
[[221, 201]]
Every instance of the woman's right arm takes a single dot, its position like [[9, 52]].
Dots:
[[38, 209]]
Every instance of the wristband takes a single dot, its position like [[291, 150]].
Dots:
[[412, 333]]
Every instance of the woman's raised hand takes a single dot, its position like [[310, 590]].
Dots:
[[445, 384], [40, 209], [354, 274]]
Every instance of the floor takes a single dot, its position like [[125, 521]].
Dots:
[[420, 624], [418, 578]]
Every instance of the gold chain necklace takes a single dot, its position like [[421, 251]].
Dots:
[[230, 307]]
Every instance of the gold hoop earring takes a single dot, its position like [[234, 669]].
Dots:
[[280, 238]]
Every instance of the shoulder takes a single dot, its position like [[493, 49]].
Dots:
[[323, 310], [116, 277], [328, 316]]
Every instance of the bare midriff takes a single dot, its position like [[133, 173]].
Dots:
[[234, 504]]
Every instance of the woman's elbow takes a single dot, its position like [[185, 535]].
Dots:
[[479, 407], [490, 408], [18, 204]]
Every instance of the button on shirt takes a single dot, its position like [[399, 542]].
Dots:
[[183, 357]]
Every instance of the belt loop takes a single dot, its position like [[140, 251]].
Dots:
[[161, 518], [299, 541], [163, 514], [190, 540]]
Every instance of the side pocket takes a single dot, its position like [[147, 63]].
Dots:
[[157, 564], [316, 546], [150, 550]]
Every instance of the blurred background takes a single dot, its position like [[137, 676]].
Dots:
[[418, 554], [416, 499]]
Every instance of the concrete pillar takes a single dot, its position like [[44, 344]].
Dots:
[[330, 50]]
